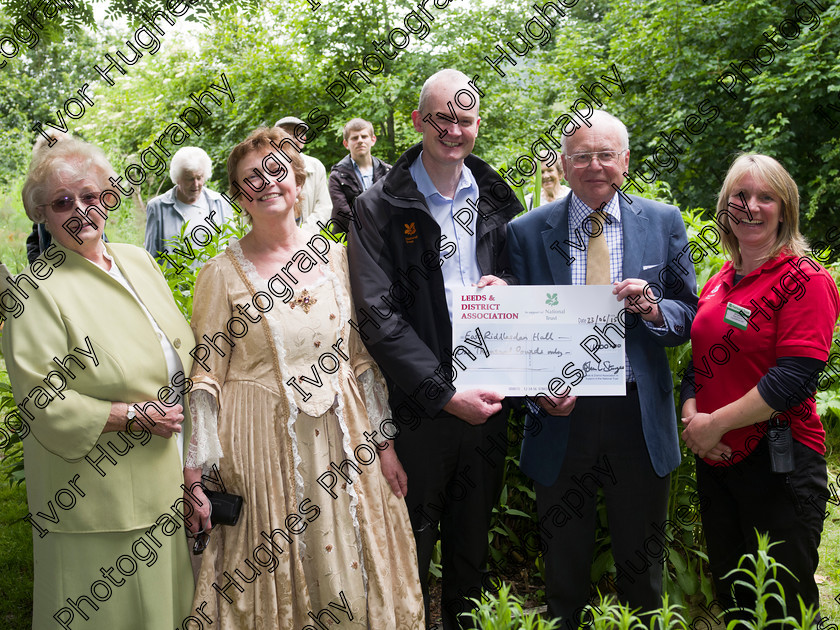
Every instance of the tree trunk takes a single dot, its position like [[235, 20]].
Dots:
[[391, 135]]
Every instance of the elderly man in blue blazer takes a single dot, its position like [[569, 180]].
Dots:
[[626, 445]]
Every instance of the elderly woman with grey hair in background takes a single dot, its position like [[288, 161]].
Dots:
[[190, 202]]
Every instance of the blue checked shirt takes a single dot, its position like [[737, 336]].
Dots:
[[578, 236]]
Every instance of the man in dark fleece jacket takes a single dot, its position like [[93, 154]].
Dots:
[[356, 172], [434, 224]]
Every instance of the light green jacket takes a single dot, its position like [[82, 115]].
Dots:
[[78, 305]]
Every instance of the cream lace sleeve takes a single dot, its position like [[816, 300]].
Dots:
[[205, 449], [375, 393]]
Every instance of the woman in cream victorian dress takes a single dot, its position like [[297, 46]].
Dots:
[[296, 398]]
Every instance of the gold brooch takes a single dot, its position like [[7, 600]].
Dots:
[[304, 300]]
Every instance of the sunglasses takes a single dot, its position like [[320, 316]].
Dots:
[[64, 204]]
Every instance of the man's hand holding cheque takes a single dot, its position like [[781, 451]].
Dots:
[[632, 291]]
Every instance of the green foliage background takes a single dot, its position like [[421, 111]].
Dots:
[[279, 57]]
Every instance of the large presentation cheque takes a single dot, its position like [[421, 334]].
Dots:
[[553, 340]]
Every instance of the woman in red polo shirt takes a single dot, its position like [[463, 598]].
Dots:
[[761, 337]]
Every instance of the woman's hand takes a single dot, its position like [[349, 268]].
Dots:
[[720, 453], [199, 518], [163, 425], [149, 419], [702, 435], [393, 470], [689, 408]]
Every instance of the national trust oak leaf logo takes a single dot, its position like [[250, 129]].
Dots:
[[410, 232], [551, 299]]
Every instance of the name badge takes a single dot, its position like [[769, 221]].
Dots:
[[736, 316]]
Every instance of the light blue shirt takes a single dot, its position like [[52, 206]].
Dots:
[[457, 223], [366, 180], [164, 220]]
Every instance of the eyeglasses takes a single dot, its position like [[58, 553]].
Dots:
[[605, 158], [63, 204]]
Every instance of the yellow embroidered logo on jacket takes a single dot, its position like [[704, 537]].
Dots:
[[410, 232]]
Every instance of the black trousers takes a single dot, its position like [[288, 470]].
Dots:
[[606, 449], [455, 473], [736, 500]]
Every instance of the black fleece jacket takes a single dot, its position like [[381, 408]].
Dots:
[[394, 248], [345, 187]]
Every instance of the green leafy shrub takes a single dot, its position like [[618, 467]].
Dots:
[[505, 612], [11, 458], [189, 259], [756, 572]]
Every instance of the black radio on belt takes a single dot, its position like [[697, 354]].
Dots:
[[780, 443]]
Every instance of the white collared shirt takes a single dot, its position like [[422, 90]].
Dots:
[[173, 361]]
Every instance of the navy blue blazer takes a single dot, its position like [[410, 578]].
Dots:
[[655, 250]]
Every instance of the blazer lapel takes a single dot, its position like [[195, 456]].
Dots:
[[556, 242], [133, 275], [146, 284], [634, 228]]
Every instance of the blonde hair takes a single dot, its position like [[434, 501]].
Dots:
[[768, 170], [357, 124]]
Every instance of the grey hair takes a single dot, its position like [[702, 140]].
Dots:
[[600, 116], [68, 158], [190, 159]]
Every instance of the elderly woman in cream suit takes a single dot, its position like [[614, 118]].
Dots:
[[96, 354]]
